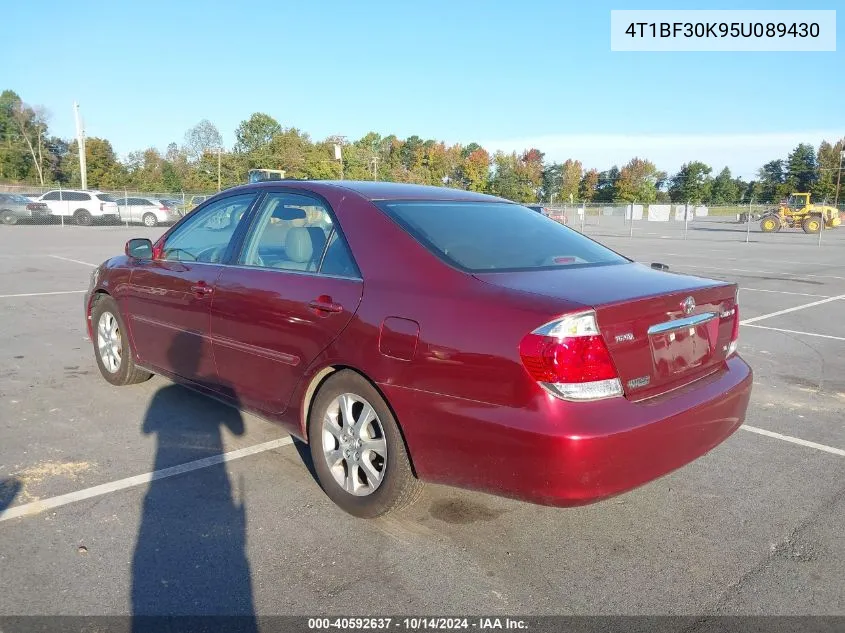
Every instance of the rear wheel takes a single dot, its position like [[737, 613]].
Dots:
[[111, 345], [82, 217], [8, 218], [357, 449], [149, 219], [812, 224], [770, 224]]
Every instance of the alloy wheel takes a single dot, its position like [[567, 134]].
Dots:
[[354, 444], [109, 342]]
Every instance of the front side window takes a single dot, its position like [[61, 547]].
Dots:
[[494, 236], [291, 232], [53, 195], [206, 236]]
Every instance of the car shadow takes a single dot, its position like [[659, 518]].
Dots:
[[9, 489], [190, 555]]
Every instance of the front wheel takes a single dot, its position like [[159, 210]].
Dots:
[[357, 449], [111, 345], [770, 224], [8, 218], [149, 219]]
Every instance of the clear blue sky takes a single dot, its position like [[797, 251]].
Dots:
[[461, 71]]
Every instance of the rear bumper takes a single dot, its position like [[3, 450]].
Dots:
[[566, 454]]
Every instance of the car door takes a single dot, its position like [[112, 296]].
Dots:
[[169, 298], [276, 309], [56, 201]]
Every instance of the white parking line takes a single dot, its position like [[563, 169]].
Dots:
[[764, 272], [75, 261], [36, 507], [783, 292], [794, 440], [747, 259], [788, 310], [778, 329], [42, 294]]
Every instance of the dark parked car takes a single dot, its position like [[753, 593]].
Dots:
[[14, 208], [412, 333]]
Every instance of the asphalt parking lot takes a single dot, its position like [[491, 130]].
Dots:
[[754, 527]]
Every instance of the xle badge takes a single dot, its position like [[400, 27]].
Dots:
[[636, 383]]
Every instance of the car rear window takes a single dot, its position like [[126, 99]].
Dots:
[[488, 236]]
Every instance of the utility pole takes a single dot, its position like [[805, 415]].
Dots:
[[219, 150], [375, 167], [80, 141], [839, 178]]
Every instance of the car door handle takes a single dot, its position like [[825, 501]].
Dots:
[[325, 304], [201, 290]]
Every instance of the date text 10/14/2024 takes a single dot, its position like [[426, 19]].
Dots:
[[420, 624]]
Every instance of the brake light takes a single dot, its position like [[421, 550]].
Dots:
[[734, 333], [164, 208], [570, 359]]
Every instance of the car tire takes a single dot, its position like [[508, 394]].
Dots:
[[112, 349], [345, 445], [150, 220], [83, 217], [8, 218]]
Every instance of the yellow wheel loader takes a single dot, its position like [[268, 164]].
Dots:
[[799, 212]]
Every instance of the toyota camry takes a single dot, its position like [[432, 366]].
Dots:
[[414, 334]]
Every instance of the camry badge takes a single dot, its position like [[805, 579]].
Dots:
[[688, 305]]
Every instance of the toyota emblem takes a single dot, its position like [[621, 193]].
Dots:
[[688, 305]]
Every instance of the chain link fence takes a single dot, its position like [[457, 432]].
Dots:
[[684, 221], [21, 204]]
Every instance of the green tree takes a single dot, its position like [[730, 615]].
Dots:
[[571, 173], [103, 170], [691, 184], [552, 178], [828, 160], [725, 189], [606, 185], [638, 181], [588, 185], [773, 185], [801, 168], [474, 170], [256, 133]]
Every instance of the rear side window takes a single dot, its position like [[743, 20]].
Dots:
[[105, 197], [492, 236]]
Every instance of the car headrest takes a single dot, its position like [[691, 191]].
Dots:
[[303, 244]]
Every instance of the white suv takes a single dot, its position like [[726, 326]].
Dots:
[[83, 206]]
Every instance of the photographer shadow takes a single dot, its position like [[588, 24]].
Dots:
[[190, 556]]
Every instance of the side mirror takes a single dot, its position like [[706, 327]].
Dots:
[[139, 248], [659, 266]]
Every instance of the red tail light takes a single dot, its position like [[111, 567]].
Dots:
[[164, 208], [570, 359], [734, 333]]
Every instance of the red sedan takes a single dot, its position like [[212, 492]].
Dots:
[[412, 334]]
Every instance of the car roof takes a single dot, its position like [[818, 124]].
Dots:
[[376, 190]]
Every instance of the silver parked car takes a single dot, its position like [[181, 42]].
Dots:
[[147, 211], [14, 208]]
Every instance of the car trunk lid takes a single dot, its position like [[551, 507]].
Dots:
[[663, 330]]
